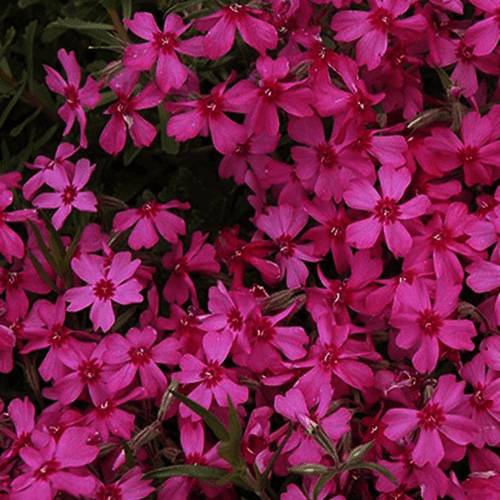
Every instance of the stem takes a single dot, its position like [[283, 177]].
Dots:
[[30, 97], [117, 23]]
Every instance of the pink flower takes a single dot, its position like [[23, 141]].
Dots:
[[160, 48], [76, 98], [222, 27], [104, 287], [7, 344], [484, 35], [46, 167], [152, 218], [56, 467], [373, 28], [438, 423], [262, 101], [11, 244], [283, 223], [386, 211], [130, 486], [423, 326], [213, 381], [124, 114], [200, 258], [136, 353], [69, 193]]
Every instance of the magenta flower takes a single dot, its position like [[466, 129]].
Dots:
[[76, 98], [477, 152], [56, 467], [105, 286], [85, 374], [222, 25], [262, 101], [124, 115], [135, 353], [387, 213], [152, 218], [130, 486], [439, 422], [423, 326], [160, 48], [11, 244], [213, 381], [374, 27], [206, 114], [283, 224], [7, 344], [200, 258], [46, 167], [485, 34], [69, 193]]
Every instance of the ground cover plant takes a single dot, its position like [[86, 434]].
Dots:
[[250, 250]]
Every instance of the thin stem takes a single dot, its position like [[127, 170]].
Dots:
[[30, 97], [117, 23]]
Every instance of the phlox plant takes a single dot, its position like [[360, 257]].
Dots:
[[255, 254]]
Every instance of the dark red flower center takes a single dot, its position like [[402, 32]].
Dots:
[[431, 416], [465, 53], [478, 401], [10, 279], [262, 329], [243, 149], [211, 106], [104, 289], [165, 42], [337, 230], [90, 371], [109, 492], [46, 470], [440, 240], [387, 211], [71, 94], [212, 374], [270, 91], [105, 409], [235, 319], [68, 195], [381, 19], [58, 336], [468, 154], [430, 322], [326, 156], [148, 210], [286, 245], [139, 355], [330, 356]]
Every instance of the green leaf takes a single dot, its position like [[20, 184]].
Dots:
[[230, 451], [126, 9], [168, 144], [357, 454], [261, 482], [23, 4], [309, 469], [14, 99], [123, 318], [321, 483], [78, 24], [130, 153], [17, 130], [373, 466], [42, 273], [197, 471], [29, 40], [42, 246], [215, 425], [9, 38]]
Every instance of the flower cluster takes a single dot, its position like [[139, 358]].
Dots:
[[343, 341]]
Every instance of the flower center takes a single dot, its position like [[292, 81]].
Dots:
[[235, 320], [381, 19], [165, 42], [104, 289], [68, 196], [269, 91], [478, 401], [58, 336], [387, 211], [105, 409], [139, 355], [262, 330], [212, 374], [109, 492], [90, 371], [286, 246], [431, 416], [326, 156], [148, 210], [330, 357], [439, 241], [71, 94], [468, 154], [429, 322], [47, 469]]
